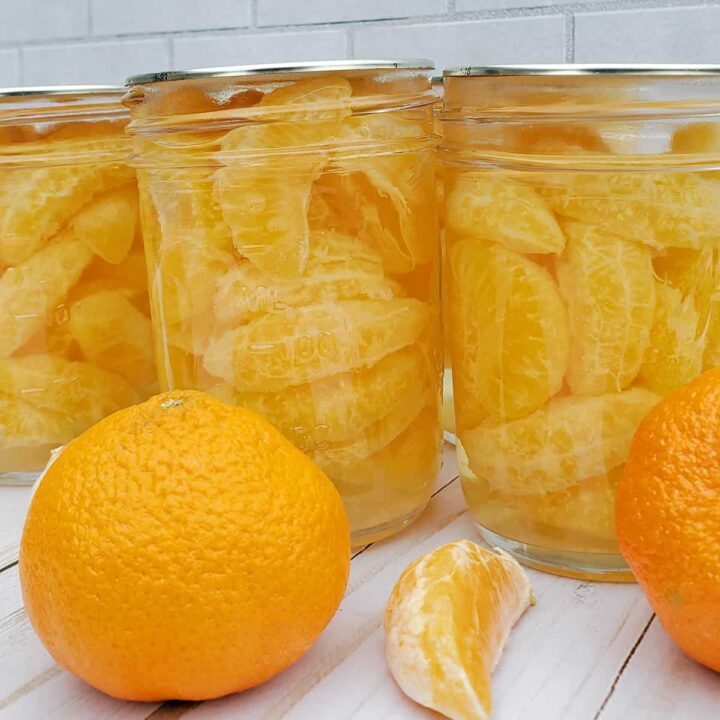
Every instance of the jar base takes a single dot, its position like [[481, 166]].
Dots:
[[385, 530], [24, 479], [601, 567]]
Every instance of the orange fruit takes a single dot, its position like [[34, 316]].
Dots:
[[447, 621], [668, 515], [154, 562], [609, 288], [509, 333], [489, 207]]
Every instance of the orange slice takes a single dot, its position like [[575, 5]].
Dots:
[[339, 268], [108, 224], [36, 203], [609, 287], [675, 354], [298, 345], [33, 290], [23, 425], [659, 209], [447, 622], [509, 333], [78, 390], [395, 190], [557, 446], [488, 207], [265, 198], [115, 336], [339, 407]]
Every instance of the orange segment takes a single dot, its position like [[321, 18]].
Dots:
[[264, 199], [698, 138], [108, 224], [675, 354], [557, 446], [38, 202], [339, 267], [339, 407], [510, 333], [447, 621], [484, 206], [298, 345], [115, 336], [609, 288], [659, 209], [395, 191], [23, 425], [31, 291], [75, 389]]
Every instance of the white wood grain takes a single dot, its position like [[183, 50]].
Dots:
[[660, 681], [14, 501]]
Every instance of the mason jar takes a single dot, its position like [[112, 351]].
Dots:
[[291, 232], [75, 333], [582, 219]]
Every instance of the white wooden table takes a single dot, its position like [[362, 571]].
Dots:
[[584, 652]]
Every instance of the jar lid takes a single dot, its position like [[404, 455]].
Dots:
[[570, 70], [278, 68], [60, 90]]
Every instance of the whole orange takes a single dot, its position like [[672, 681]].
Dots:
[[668, 515], [182, 548]]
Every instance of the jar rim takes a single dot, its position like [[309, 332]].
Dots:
[[280, 68], [60, 90], [577, 69]]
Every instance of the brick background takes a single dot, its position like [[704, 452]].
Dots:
[[77, 41]]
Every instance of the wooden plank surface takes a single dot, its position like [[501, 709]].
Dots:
[[585, 651]]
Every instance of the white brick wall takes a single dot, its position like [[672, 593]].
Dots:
[[62, 41]]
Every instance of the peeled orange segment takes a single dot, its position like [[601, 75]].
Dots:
[[557, 446], [115, 336], [299, 345], [128, 276], [397, 480], [339, 407], [675, 354], [447, 621], [339, 268], [81, 391], [265, 197], [25, 425], [692, 273], [375, 436], [698, 138], [395, 190], [185, 277], [185, 204], [483, 206], [586, 509], [510, 333], [659, 209], [609, 287], [107, 225], [53, 339], [31, 291], [36, 203]]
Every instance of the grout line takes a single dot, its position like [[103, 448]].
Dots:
[[620, 672], [570, 38]]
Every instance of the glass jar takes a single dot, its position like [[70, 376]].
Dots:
[[75, 333], [582, 218], [291, 233]]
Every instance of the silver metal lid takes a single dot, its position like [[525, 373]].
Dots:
[[55, 90], [570, 70], [277, 68]]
